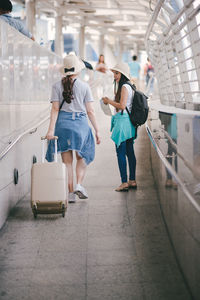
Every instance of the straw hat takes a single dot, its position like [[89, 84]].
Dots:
[[122, 68], [71, 65]]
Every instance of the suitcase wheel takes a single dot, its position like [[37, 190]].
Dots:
[[35, 211], [63, 210]]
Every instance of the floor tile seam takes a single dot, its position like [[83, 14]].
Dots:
[[118, 282], [61, 284], [36, 257], [14, 285], [86, 258], [120, 235], [132, 265], [63, 266], [113, 249], [130, 226]]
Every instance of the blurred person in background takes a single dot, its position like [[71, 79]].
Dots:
[[149, 77], [101, 66], [135, 71], [5, 10]]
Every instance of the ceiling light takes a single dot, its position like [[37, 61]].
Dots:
[[108, 21], [76, 2], [89, 11]]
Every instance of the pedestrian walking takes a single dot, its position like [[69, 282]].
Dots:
[[101, 66], [123, 132], [149, 77], [135, 70], [72, 103]]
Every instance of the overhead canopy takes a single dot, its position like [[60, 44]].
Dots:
[[127, 19]]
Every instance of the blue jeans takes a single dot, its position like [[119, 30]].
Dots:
[[126, 149]]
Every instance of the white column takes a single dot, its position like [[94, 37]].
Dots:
[[59, 36], [135, 49], [101, 44], [82, 42], [30, 16], [121, 49]]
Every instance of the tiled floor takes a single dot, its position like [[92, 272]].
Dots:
[[113, 246]]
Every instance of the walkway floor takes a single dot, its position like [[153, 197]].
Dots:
[[112, 246]]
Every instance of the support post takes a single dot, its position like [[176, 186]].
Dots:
[[101, 44], [82, 42], [30, 16], [59, 37]]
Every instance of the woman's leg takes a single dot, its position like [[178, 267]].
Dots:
[[80, 169], [121, 156], [80, 174], [67, 158], [131, 158]]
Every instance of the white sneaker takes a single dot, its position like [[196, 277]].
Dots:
[[72, 198], [81, 191]]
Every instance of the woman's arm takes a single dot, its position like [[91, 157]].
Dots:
[[53, 118], [123, 100], [92, 118]]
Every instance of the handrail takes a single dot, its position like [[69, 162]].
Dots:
[[30, 131], [195, 172], [171, 170]]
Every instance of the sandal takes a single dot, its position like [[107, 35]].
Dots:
[[132, 184], [122, 188]]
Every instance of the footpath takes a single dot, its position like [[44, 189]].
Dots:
[[113, 246]]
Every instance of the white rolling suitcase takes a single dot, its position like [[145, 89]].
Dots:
[[48, 186]]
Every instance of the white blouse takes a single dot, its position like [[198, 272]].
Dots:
[[130, 97]]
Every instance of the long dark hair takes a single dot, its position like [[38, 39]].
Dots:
[[68, 84], [122, 81]]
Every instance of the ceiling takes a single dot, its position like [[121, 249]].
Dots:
[[126, 19]]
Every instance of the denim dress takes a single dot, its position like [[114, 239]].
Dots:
[[72, 126], [73, 133]]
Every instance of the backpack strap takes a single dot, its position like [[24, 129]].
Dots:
[[131, 85], [61, 104], [134, 89], [127, 111]]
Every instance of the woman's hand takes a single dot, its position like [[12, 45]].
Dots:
[[105, 100], [50, 135], [98, 140]]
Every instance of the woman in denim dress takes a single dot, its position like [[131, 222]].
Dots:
[[72, 103]]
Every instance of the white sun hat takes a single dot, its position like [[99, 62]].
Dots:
[[123, 68], [71, 65]]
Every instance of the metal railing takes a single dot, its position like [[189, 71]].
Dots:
[[30, 130], [172, 171]]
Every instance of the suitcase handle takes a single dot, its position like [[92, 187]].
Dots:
[[55, 138]]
